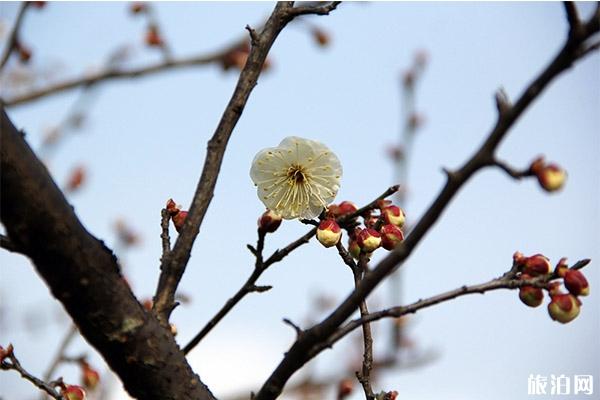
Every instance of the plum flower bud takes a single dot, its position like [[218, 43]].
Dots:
[[344, 208], [391, 236], [564, 308], [321, 37], [531, 296], [329, 232], [561, 267], [551, 177], [6, 352], [73, 392], [368, 240], [576, 283], [393, 215], [76, 179], [179, 220], [89, 376], [269, 222], [537, 265], [297, 179], [153, 37], [345, 388]]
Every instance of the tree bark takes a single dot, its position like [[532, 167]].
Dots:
[[83, 274]]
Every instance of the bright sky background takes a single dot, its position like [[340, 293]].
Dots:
[[145, 139]]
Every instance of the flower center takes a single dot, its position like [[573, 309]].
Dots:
[[296, 174]]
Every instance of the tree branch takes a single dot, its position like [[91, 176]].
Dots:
[[314, 8], [8, 245], [83, 274], [13, 37], [172, 271], [300, 353], [10, 362], [261, 266], [507, 281]]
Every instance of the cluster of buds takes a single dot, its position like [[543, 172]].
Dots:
[[177, 215], [563, 307], [269, 221], [550, 176], [237, 57], [89, 376], [382, 229]]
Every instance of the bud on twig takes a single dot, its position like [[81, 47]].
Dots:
[[564, 308], [269, 221], [329, 233], [391, 236], [576, 283], [368, 240]]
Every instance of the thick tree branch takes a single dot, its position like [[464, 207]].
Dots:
[[173, 268], [8, 245], [13, 37], [300, 352], [84, 276]]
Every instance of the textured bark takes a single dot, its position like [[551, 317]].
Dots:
[[84, 276]]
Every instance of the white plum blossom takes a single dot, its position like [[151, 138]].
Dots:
[[297, 179]]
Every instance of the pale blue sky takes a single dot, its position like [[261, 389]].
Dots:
[[145, 143]]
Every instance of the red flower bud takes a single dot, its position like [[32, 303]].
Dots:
[[576, 283], [564, 308], [76, 179], [321, 37], [345, 388], [153, 37], [368, 240], [393, 215], [73, 392], [138, 7], [561, 267], [172, 208], [391, 236], [536, 265], [179, 219], [23, 52], [519, 258], [329, 232], [531, 296], [551, 177], [269, 221], [89, 376], [5, 352]]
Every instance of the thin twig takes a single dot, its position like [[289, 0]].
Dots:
[[172, 269], [164, 234], [60, 352], [510, 171], [364, 376], [12, 363], [507, 281], [261, 266], [13, 37], [314, 9], [300, 352]]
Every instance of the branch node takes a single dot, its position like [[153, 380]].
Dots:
[[289, 322], [254, 36], [502, 102]]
